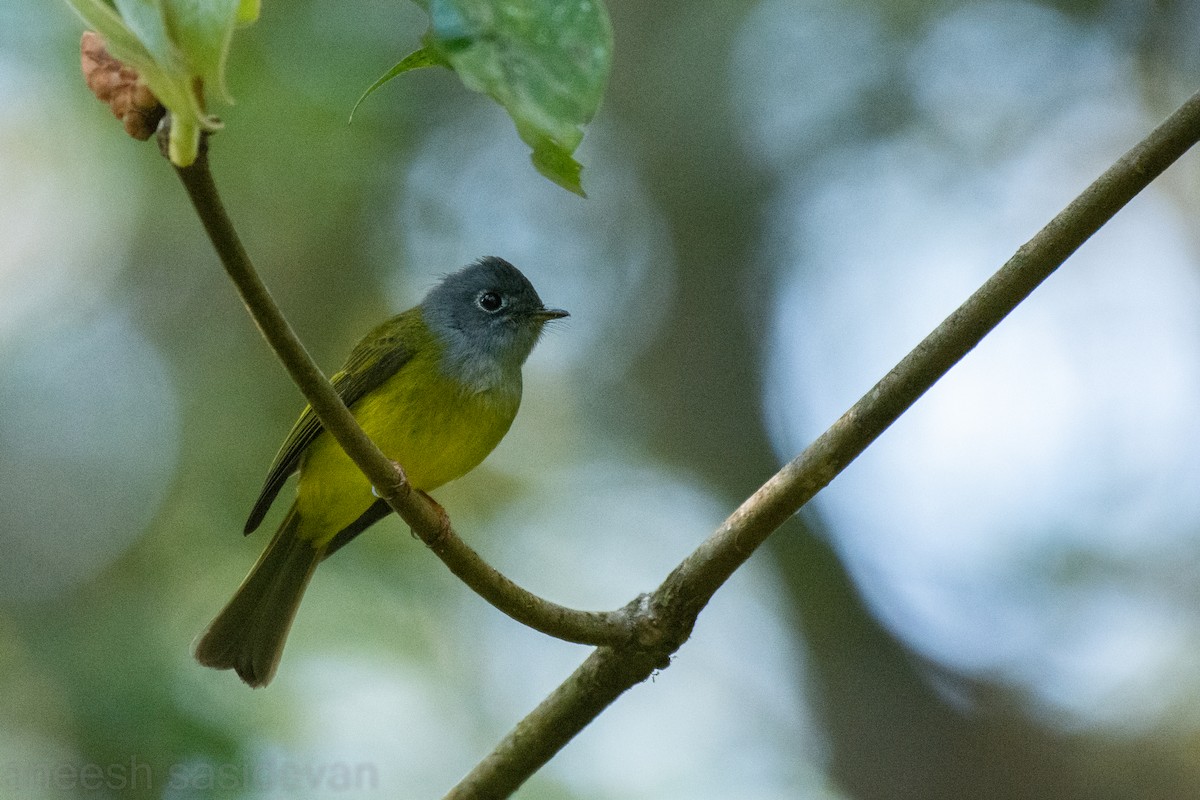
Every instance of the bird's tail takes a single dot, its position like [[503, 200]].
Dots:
[[249, 633]]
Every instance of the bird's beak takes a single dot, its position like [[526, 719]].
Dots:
[[547, 314]]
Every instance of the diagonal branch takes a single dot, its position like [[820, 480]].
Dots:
[[703, 572], [584, 627], [672, 609]]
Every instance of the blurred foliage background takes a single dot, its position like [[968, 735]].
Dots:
[[998, 600]]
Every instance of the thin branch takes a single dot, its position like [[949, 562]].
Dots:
[[673, 607], [703, 572], [595, 684], [584, 627]]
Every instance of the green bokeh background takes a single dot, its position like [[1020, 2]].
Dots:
[[141, 409]]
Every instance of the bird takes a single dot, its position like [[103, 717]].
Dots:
[[436, 388]]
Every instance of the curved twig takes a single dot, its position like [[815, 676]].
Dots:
[[583, 627]]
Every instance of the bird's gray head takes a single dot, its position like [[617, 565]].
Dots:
[[488, 316]]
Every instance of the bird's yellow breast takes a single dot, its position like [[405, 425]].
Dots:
[[436, 428]]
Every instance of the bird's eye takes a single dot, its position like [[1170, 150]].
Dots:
[[491, 302]]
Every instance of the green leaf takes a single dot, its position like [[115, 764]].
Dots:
[[203, 30], [554, 162], [248, 11], [178, 47], [545, 61], [414, 60]]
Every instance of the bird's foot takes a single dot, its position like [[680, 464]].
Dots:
[[401, 482]]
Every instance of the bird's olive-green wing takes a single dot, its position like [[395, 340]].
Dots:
[[379, 355]]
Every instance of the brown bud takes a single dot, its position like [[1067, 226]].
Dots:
[[120, 87]]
